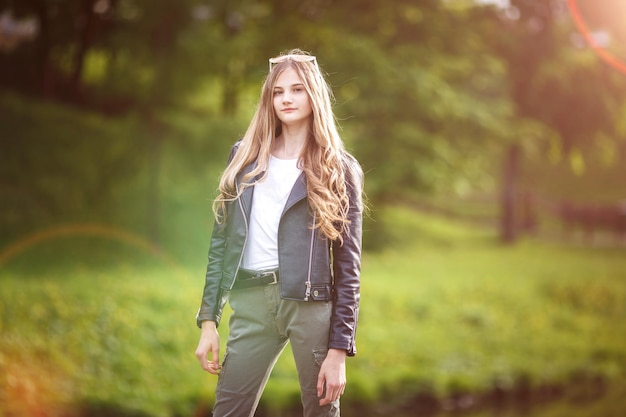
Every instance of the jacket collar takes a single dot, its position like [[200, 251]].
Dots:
[[298, 192]]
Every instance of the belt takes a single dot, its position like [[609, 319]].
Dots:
[[248, 279]]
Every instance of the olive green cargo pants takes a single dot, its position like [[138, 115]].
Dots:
[[260, 327]]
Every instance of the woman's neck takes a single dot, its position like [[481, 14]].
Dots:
[[290, 143]]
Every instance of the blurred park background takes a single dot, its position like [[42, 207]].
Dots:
[[493, 137]]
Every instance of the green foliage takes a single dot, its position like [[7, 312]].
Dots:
[[428, 93], [556, 81], [415, 105], [62, 164], [416, 98], [67, 166]]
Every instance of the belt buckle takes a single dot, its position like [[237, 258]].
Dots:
[[267, 274]]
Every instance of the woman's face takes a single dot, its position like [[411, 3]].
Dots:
[[291, 101]]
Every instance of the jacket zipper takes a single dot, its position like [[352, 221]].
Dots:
[[307, 294], [245, 241]]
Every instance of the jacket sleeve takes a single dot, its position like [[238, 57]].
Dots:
[[347, 267], [213, 298]]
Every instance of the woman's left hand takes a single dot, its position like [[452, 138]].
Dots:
[[332, 376]]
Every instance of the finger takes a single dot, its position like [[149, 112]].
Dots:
[[328, 398], [333, 393], [215, 355], [212, 367], [206, 364], [329, 395], [321, 380]]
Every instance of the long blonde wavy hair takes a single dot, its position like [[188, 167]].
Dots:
[[323, 159]]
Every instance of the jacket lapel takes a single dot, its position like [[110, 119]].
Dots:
[[298, 192], [246, 196]]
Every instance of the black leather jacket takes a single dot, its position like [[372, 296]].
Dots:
[[310, 267]]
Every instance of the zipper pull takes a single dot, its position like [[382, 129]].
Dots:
[[308, 291]]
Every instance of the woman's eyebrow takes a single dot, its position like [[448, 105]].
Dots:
[[292, 85]]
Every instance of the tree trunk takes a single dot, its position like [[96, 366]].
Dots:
[[86, 34], [45, 80], [510, 183]]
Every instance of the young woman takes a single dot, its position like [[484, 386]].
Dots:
[[286, 248]]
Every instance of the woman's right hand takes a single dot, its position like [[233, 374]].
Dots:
[[209, 344]]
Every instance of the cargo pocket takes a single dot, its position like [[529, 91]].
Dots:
[[320, 355]]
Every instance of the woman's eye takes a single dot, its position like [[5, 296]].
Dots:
[[277, 92]]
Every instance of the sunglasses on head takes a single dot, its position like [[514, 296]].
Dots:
[[293, 57]]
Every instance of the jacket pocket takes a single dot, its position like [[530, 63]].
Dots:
[[321, 292]]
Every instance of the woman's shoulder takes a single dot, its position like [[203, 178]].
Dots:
[[351, 164], [236, 145], [233, 150]]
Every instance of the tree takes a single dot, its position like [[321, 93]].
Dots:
[[554, 82]]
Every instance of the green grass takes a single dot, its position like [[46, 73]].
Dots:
[[119, 337], [471, 314], [448, 312]]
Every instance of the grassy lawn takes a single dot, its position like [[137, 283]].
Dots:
[[446, 313]]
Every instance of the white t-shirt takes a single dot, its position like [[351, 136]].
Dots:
[[268, 202]]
